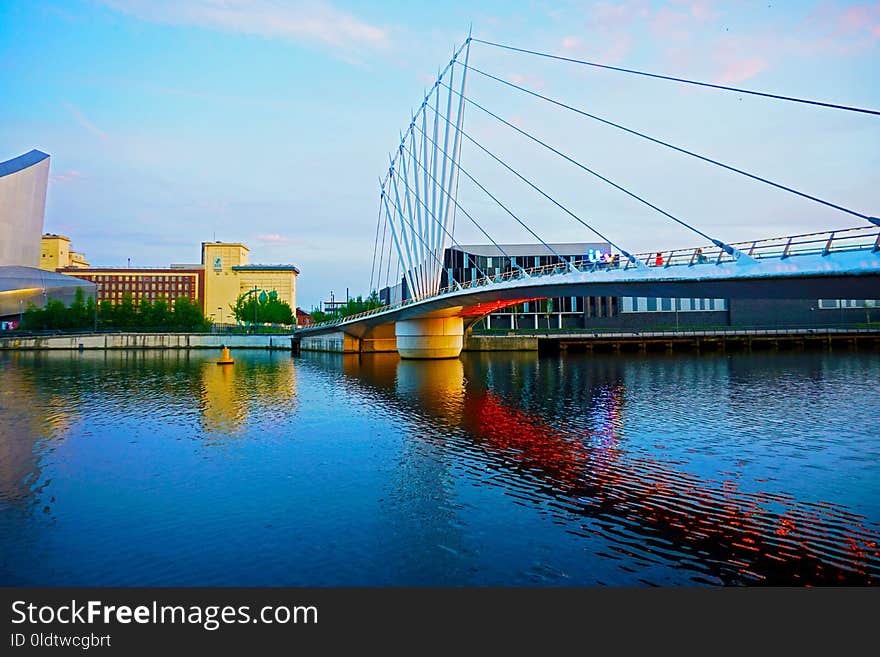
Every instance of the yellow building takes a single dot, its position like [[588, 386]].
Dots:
[[55, 254], [216, 284], [228, 275]]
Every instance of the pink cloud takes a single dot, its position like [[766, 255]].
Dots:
[[669, 24], [66, 176], [618, 49], [739, 70], [273, 237], [570, 42], [702, 10], [617, 15], [843, 31], [527, 80]]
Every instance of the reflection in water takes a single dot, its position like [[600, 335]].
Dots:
[[233, 396], [662, 511], [163, 468]]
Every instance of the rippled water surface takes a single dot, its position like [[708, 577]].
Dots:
[[162, 468]]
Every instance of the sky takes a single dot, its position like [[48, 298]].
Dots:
[[270, 122]]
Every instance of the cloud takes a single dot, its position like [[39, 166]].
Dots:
[[570, 42], [301, 21], [81, 118], [527, 80], [618, 15], [273, 237], [617, 50], [66, 176], [739, 70], [844, 30]]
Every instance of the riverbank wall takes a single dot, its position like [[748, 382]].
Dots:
[[145, 341]]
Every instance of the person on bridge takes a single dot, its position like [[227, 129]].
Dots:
[[658, 261], [701, 257]]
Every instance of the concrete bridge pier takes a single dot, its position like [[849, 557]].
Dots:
[[432, 337]]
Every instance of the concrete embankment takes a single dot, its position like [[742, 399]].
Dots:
[[675, 340], [146, 341], [500, 343]]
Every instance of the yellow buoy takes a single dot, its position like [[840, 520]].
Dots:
[[225, 358]]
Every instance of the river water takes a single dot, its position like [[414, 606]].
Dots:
[[163, 468]]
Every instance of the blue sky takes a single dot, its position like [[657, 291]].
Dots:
[[269, 122]]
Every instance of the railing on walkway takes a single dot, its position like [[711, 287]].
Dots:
[[862, 238]]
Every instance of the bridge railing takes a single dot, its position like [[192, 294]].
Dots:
[[861, 238]]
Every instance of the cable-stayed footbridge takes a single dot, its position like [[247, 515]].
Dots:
[[419, 206]]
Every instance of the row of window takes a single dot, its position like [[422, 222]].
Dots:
[[117, 296], [147, 279], [608, 306], [830, 304], [143, 286], [659, 305]]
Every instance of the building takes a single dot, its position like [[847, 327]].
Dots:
[[228, 275], [470, 262], [23, 182], [215, 283], [114, 283], [55, 254], [303, 318]]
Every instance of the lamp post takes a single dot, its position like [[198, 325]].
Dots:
[[20, 312], [255, 307], [220, 308]]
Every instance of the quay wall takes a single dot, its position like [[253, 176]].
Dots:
[[146, 341]]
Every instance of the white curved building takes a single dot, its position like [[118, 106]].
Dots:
[[23, 182]]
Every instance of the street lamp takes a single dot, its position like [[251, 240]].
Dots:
[[220, 308]]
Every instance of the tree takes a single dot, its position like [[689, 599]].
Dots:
[[262, 308], [124, 313], [187, 315], [351, 307], [91, 312], [55, 315], [105, 313]]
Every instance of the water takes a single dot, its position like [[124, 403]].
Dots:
[[162, 468]]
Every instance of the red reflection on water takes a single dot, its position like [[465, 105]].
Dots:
[[801, 543]]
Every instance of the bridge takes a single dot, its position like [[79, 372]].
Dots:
[[419, 205]]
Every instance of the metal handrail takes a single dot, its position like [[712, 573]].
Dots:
[[861, 238]]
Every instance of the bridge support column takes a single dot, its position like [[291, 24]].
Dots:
[[435, 337]]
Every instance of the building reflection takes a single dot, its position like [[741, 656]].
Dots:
[[572, 448], [25, 436], [233, 397], [45, 394]]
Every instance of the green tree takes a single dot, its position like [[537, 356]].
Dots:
[[161, 313], [91, 308], [124, 313], [105, 313], [187, 315], [262, 308]]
